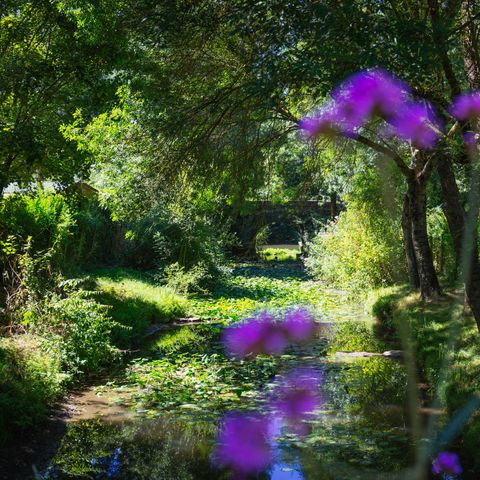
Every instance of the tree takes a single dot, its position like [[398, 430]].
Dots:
[[55, 57]]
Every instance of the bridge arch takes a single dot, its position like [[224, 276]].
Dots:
[[301, 216]]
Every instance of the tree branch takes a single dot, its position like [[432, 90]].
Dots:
[[387, 152]]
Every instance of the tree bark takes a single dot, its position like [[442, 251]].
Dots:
[[470, 45], [417, 197], [408, 244], [456, 219]]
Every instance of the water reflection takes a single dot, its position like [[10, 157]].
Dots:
[[359, 432]]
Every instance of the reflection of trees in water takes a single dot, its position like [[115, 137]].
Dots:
[[366, 385], [147, 450], [363, 427]]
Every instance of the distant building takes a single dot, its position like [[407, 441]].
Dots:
[[83, 188]]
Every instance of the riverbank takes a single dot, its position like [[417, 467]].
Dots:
[[181, 381], [442, 339]]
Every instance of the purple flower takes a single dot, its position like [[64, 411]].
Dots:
[[418, 124], [470, 140], [257, 335], [324, 122], [466, 106], [448, 463], [243, 443], [367, 93], [297, 396], [299, 326]]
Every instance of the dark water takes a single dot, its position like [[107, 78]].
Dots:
[[360, 433]]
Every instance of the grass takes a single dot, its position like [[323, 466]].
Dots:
[[278, 254], [30, 380], [136, 301]]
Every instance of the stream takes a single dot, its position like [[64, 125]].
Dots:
[[159, 418]]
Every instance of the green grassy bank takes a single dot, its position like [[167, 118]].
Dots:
[[76, 336], [444, 345]]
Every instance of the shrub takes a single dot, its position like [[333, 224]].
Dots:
[[43, 217], [79, 328], [357, 251], [195, 280]]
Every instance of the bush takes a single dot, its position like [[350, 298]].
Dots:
[[30, 379], [357, 251], [196, 280], [44, 217], [78, 328]]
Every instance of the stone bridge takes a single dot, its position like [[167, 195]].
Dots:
[[303, 217]]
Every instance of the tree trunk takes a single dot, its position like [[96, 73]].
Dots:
[[408, 244], [417, 196], [333, 205], [455, 214], [471, 56]]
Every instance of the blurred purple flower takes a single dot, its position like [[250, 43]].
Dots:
[[447, 463], [244, 443], [257, 335], [297, 396], [466, 106], [299, 326], [367, 93], [324, 122], [417, 123], [470, 140]]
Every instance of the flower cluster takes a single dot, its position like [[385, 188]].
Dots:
[[268, 335], [296, 398], [466, 107], [375, 93], [447, 464]]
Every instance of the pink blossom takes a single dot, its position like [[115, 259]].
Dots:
[[257, 335], [367, 93], [323, 123], [299, 326], [297, 396]]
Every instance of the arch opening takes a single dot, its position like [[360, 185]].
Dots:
[[278, 241]]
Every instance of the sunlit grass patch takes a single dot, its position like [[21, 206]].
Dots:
[[136, 301], [180, 339], [275, 254]]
